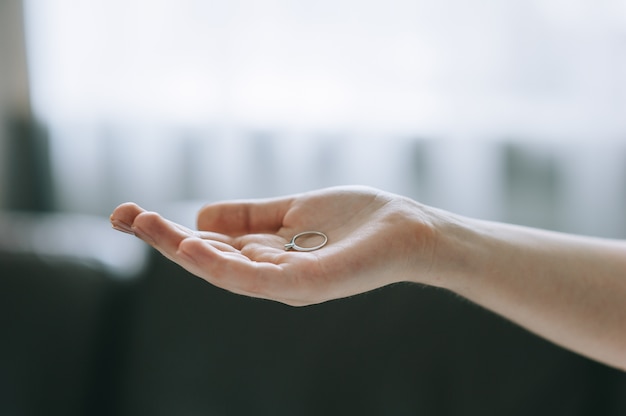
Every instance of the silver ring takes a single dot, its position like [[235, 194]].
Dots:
[[293, 246]]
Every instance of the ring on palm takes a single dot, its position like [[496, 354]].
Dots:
[[293, 246]]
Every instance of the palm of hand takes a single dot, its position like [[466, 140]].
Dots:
[[240, 245]]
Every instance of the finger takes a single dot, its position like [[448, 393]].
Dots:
[[244, 217], [215, 237], [123, 218], [229, 270], [162, 234], [235, 272], [227, 248], [124, 215]]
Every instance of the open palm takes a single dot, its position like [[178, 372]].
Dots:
[[239, 245]]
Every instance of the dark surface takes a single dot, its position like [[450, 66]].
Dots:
[[76, 341]]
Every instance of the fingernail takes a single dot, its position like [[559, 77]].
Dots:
[[121, 226]]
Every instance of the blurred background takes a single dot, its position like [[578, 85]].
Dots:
[[512, 111]]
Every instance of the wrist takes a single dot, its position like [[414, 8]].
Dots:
[[451, 246]]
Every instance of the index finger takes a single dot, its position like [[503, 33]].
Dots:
[[124, 215], [239, 274]]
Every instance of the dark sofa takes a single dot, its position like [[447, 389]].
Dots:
[[77, 338]]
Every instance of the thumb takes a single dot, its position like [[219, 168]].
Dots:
[[244, 217]]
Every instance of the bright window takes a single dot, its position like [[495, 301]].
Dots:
[[388, 63]]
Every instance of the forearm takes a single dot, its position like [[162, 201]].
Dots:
[[569, 289]]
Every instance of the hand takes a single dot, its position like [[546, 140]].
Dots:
[[569, 289], [374, 239]]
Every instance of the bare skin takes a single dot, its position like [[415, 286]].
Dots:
[[569, 289]]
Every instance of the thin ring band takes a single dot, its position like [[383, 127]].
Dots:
[[293, 246]]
